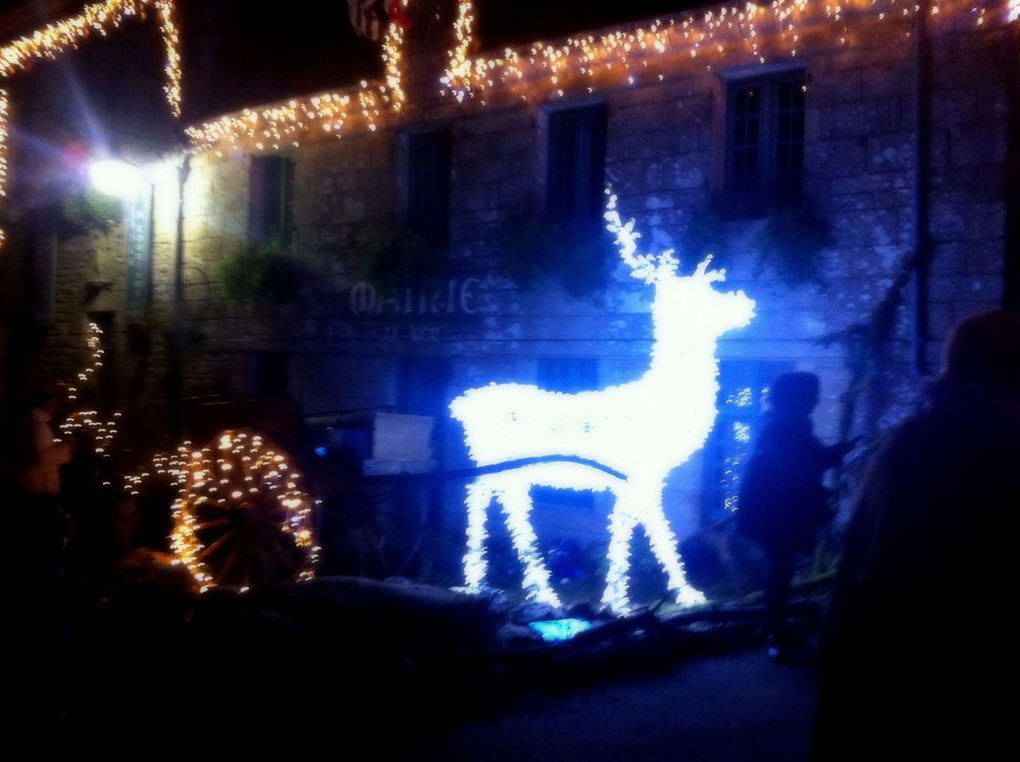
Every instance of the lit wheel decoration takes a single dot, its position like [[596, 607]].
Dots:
[[241, 517]]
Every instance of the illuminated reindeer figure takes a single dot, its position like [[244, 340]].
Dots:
[[625, 439]]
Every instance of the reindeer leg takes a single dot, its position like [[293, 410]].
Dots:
[[664, 546], [621, 528], [517, 510], [479, 495]]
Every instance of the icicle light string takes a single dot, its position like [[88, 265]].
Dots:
[[624, 56], [579, 64]]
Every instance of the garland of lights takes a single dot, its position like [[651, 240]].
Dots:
[[586, 62], [643, 430], [284, 125], [102, 433], [54, 39], [577, 64], [241, 472], [248, 471]]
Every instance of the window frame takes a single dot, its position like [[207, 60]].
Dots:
[[769, 141], [434, 235], [574, 219], [260, 230]]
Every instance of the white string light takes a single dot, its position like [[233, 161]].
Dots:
[[641, 430]]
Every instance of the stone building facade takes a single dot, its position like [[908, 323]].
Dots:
[[871, 152]]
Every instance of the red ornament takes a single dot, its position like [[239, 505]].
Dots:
[[398, 14], [75, 155]]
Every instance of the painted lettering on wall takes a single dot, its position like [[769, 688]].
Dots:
[[454, 296]]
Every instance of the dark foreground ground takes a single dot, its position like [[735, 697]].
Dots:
[[714, 708]]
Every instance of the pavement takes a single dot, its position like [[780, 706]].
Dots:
[[730, 708]]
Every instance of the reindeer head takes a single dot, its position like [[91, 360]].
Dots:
[[680, 300]]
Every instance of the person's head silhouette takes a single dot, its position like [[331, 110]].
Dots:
[[794, 394], [983, 351]]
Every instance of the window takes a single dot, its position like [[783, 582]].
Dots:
[[765, 140], [271, 374], [575, 176], [42, 276], [567, 374], [271, 210], [428, 185], [742, 385]]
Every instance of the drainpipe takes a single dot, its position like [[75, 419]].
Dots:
[[178, 288], [922, 186], [174, 382], [1011, 235]]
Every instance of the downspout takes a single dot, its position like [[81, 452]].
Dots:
[[178, 289], [922, 186], [1011, 234], [175, 358]]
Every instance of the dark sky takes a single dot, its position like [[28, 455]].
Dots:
[[517, 22]]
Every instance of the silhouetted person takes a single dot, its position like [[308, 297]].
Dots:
[[783, 502], [39, 456], [918, 660], [34, 538]]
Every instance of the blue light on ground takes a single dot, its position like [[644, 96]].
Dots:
[[321, 451], [559, 630]]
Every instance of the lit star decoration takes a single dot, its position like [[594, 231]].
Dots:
[[633, 435], [757, 33], [98, 19], [242, 472]]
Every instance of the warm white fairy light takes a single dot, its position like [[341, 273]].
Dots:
[[89, 423], [238, 471], [588, 61], [47, 42], [392, 51], [285, 125], [4, 100], [641, 430], [172, 49], [330, 114], [581, 63]]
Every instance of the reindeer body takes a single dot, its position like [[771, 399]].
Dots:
[[641, 430]]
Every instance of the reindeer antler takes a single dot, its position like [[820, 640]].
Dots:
[[647, 267], [712, 276]]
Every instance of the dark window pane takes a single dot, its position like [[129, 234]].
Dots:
[[567, 374], [272, 374], [765, 141], [271, 205], [428, 185], [576, 167]]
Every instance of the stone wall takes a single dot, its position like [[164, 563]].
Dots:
[[664, 152]]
